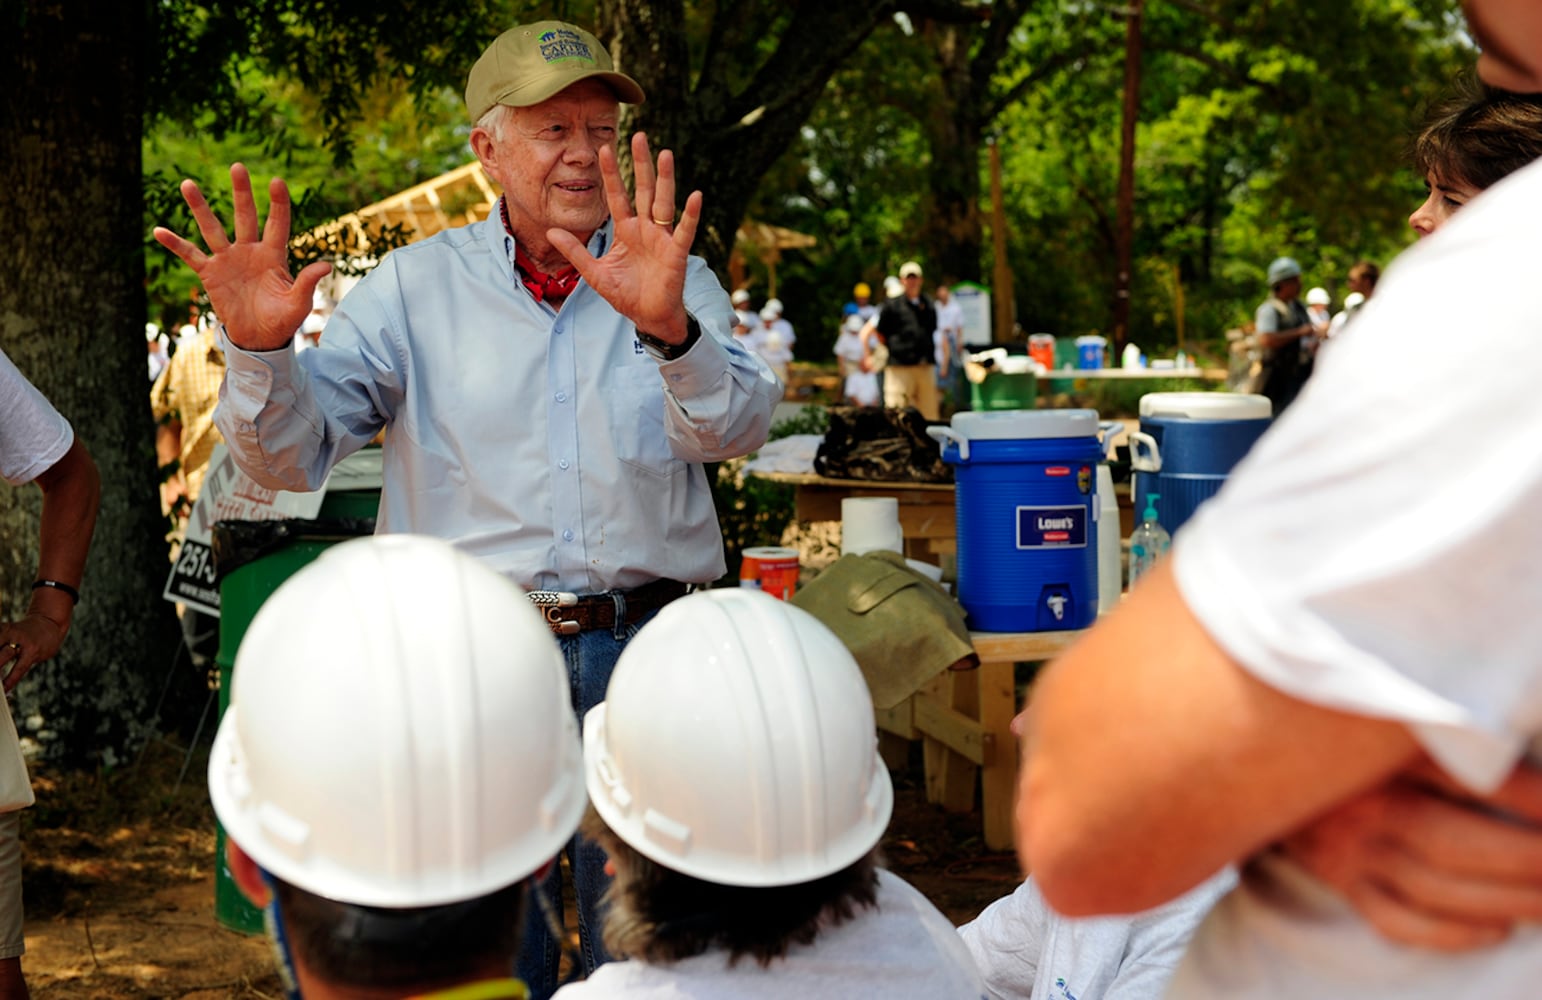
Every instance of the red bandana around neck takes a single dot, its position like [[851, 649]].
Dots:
[[542, 286]]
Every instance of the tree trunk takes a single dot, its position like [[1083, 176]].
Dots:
[[953, 233], [71, 313], [726, 134]]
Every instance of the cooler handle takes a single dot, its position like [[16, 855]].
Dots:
[[1139, 461], [942, 434], [1110, 429]]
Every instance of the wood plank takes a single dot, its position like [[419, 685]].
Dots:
[[898, 720], [998, 773], [953, 729], [950, 776], [1020, 647]]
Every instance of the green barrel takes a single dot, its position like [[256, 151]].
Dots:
[[1005, 391], [1065, 354], [344, 514]]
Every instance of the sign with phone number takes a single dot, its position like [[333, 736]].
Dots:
[[228, 494]]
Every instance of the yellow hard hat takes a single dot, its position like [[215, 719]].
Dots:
[[862, 291]]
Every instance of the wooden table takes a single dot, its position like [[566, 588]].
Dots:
[[963, 719], [925, 509]]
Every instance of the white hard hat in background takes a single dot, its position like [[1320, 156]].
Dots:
[[399, 732], [1353, 299], [1318, 297], [775, 305], [892, 287], [736, 744]]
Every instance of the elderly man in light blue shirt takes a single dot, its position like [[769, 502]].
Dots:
[[549, 380]]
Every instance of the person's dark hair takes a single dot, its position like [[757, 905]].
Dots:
[[659, 915], [419, 948], [1367, 271], [1479, 135]]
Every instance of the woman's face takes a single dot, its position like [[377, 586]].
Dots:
[[1443, 201]]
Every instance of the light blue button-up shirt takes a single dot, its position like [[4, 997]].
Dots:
[[550, 443]]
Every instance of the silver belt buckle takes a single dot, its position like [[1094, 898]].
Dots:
[[550, 603]]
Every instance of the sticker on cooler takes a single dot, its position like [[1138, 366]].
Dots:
[[1051, 527]]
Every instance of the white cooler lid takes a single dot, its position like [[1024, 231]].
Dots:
[[1009, 425], [1206, 405]]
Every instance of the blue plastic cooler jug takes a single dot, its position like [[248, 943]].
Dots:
[[1188, 443], [1026, 508]]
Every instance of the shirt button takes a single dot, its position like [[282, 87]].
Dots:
[[567, 536], [561, 397], [563, 464]]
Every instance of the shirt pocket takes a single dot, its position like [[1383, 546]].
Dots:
[[635, 399]]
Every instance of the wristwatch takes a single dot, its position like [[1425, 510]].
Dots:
[[667, 351]]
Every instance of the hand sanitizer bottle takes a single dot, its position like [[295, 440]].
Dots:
[[1148, 542]]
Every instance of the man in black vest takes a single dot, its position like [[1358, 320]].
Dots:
[[907, 324]]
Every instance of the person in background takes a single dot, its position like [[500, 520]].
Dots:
[[1279, 324], [157, 349], [37, 445], [859, 387], [1362, 279], [393, 862], [862, 298], [551, 380], [182, 401], [1472, 140], [741, 303], [1317, 302], [772, 346], [1325, 652], [950, 348], [778, 323], [735, 783], [907, 323]]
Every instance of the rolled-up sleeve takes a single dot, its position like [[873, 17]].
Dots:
[[721, 396]]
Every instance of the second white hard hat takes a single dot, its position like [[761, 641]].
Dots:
[[736, 744], [399, 732]]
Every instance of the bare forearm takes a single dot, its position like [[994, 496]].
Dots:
[[71, 496], [1154, 760]]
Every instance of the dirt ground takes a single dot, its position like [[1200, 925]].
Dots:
[[119, 882]]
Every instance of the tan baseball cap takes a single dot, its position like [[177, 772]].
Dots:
[[531, 62]]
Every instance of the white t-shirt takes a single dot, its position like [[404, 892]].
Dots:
[[33, 435], [1379, 551], [902, 949], [1027, 951]]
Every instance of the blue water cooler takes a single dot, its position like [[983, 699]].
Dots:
[[1027, 509], [1188, 443]]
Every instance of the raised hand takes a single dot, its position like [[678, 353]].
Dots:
[[248, 280], [643, 275]]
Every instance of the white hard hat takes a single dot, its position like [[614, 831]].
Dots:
[[740, 296], [736, 744], [1318, 297], [399, 732], [1353, 299], [892, 287], [775, 305]]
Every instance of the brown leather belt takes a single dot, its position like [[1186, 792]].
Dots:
[[568, 614]]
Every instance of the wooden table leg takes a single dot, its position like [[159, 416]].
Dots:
[[998, 774]]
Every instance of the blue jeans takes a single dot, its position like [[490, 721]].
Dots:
[[590, 656]]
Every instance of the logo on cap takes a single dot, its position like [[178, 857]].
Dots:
[[560, 44]]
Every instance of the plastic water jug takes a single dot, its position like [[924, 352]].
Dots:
[[1188, 443], [1026, 507], [1089, 351]]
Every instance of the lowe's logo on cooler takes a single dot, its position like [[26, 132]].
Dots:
[[560, 44], [1051, 527]]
